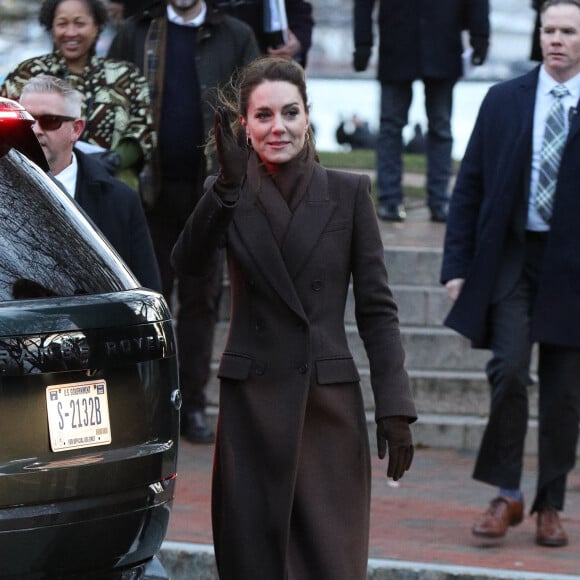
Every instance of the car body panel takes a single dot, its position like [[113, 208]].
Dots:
[[73, 318]]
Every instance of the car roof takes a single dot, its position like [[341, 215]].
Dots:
[[16, 132]]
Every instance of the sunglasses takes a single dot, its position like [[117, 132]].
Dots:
[[52, 122]]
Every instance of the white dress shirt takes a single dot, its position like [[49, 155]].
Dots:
[[544, 100], [172, 16], [68, 177]]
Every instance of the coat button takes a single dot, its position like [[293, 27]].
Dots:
[[303, 369], [316, 285]]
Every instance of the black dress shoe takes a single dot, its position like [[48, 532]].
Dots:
[[392, 212], [195, 428], [439, 214]]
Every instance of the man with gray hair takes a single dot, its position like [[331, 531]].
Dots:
[[112, 206]]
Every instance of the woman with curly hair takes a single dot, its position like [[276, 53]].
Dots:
[[116, 97]]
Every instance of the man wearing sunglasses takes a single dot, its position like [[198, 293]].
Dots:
[[113, 207]]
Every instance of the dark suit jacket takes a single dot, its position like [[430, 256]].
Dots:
[[116, 211], [298, 12], [419, 39], [287, 341], [484, 242]]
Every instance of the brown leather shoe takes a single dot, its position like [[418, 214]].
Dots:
[[550, 531], [502, 513]]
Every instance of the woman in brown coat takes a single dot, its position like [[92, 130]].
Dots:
[[291, 482]]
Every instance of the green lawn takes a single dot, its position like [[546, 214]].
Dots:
[[365, 159], [361, 159]]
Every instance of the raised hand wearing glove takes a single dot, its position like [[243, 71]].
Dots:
[[480, 44], [232, 157], [361, 57], [395, 433]]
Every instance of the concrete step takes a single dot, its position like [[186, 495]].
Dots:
[[418, 304], [462, 432], [435, 392], [426, 305], [414, 280], [447, 376], [425, 348], [186, 561], [413, 266]]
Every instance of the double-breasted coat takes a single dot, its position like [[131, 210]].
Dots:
[[486, 228], [291, 487]]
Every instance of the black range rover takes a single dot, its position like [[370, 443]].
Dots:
[[89, 396]]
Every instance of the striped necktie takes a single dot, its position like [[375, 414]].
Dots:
[[552, 145]]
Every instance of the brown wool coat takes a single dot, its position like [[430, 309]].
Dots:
[[291, 487]]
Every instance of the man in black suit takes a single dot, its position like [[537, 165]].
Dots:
[[512, 265], [291, 41], [186, 49], [113, 207], [121, 9], [417, 41]]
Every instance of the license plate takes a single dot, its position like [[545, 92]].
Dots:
[[78, 415]]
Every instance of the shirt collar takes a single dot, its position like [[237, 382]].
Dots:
[[546, 83], [68, 176], [172, 16]]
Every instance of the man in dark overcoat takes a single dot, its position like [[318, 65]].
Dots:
[[298, 36], [418, 40], [186, 50], [514, 270], [114, 208]]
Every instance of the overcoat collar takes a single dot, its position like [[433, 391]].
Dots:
[[90, 189], [526, 101], [281, 265]]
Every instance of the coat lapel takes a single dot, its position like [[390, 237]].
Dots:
[[256, 233], [279, 267], [88, 192], [308, 222], [574, 128]]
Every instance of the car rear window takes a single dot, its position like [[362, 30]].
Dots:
[[48, 247]]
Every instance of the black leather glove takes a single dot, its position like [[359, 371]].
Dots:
[[232, 157], [480, 45], [110, 160], [395, 432], [361, 57]]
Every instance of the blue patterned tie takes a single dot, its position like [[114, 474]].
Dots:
[[552, 145]]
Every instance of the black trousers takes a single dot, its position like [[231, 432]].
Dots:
[[500, 458], [194, 303]]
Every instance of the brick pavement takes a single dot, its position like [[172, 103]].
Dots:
[[424, 518], [427, 516]]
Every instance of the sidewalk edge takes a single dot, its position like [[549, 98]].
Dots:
[[186, 560]]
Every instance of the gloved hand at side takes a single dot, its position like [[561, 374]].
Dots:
[[361, 57], [232, 158], [480, 45], [395, 433]]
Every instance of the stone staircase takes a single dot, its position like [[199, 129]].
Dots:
[[447, 376]]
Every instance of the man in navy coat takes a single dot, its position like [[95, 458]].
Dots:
[[112, 206], [418, 40], [513, 270]]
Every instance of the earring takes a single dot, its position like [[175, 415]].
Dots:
[[249, 142]]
